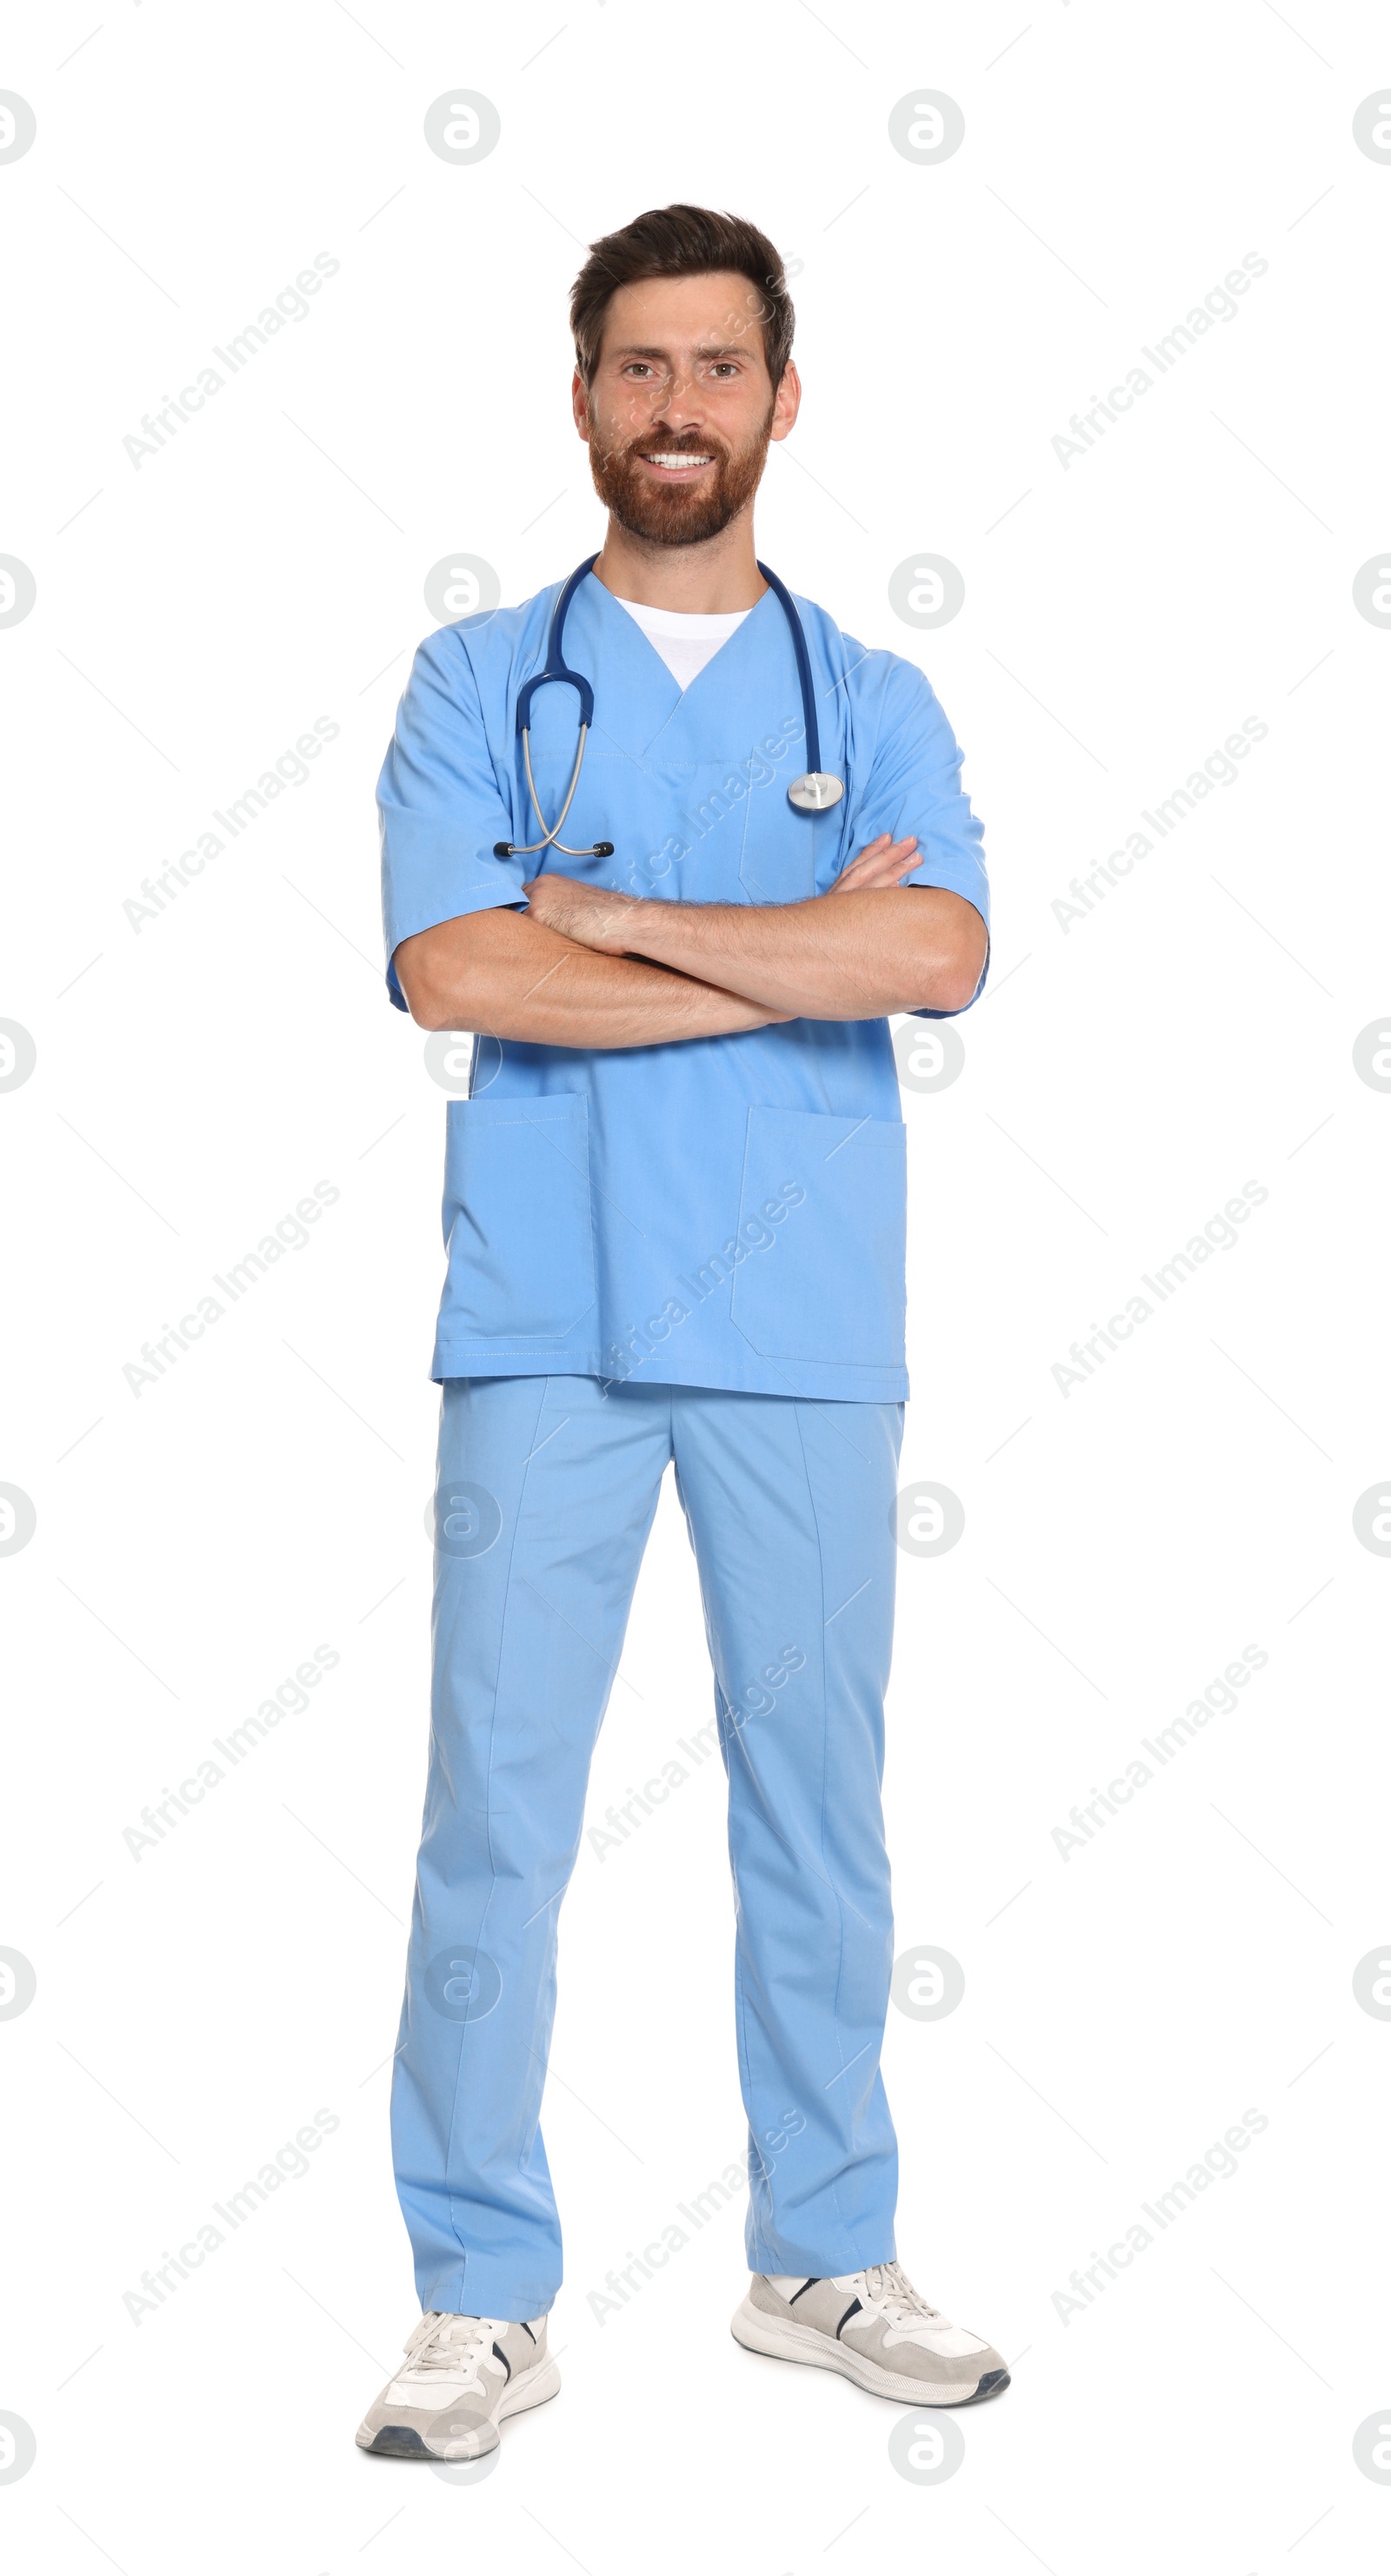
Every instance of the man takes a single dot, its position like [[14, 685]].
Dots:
[[674, 1208]]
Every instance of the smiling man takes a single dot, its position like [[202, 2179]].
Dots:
[[674, 1212]]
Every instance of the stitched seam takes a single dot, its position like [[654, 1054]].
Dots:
[[825, 1754], [753, 2161], [760, 2182], [485, 1342], [488, 1791]]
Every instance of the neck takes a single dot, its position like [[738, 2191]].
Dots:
[[706, 580]]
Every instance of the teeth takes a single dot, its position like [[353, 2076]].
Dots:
[[678, 460]]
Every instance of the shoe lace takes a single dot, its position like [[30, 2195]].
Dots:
[[453, 2347], [891, 2289]]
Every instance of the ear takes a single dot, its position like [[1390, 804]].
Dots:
[[579, 404], [787, 402]]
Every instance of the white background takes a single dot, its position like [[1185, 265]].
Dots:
[[1123, 1542]]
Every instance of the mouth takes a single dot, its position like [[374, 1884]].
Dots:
[[676, 465]]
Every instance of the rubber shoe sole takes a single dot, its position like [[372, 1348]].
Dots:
[[527, 2388], [789, 2342]]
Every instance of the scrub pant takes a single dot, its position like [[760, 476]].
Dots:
[[547, 1492]]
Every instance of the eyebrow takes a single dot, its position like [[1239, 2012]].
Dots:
[[707, 349]]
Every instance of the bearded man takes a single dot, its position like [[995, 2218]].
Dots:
[[675, 1217]]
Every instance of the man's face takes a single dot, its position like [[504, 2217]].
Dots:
[[681, 410]]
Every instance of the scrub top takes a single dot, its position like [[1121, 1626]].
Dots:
[[722, 1211]]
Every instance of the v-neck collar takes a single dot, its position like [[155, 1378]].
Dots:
[[637, 698]]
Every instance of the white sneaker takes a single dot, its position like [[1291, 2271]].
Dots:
[[462, 2375], [873, 2328]]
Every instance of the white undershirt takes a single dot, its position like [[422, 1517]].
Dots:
[[685, 641]]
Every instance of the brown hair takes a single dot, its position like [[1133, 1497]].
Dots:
[[681, 241]]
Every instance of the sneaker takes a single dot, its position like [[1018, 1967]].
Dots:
[[873, 2328], [462, 2375]]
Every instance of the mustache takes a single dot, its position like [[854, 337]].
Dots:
[[686, 443]]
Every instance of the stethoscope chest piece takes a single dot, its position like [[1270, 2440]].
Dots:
[[815, 791]]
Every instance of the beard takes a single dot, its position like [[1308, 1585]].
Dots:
[[676, 514]]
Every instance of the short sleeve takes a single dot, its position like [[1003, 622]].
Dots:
[[915, 787], [440, 804]]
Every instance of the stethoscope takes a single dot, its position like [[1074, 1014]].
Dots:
[[812, 793]]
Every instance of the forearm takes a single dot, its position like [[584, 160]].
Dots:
[[845, 956], [512, 977]]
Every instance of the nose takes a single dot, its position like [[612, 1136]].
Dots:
[[678, 402]]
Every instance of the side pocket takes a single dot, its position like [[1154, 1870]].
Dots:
[[825, 1281], [518, 1221]]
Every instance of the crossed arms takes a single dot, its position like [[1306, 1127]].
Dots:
[[586, 967]]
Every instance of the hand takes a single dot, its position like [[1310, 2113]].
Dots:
[[597, 916], [882, 863]]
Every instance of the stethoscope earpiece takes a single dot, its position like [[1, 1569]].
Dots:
[[813, 793], [509, 850]]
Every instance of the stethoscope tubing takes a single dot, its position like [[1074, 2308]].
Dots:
[[556, 669], [799, 647]]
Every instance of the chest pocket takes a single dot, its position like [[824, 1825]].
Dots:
[[518, 1221], [825, 1280], [710, 831]]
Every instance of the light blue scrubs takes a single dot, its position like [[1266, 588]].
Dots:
[[724, 1212], [691, 1252]]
